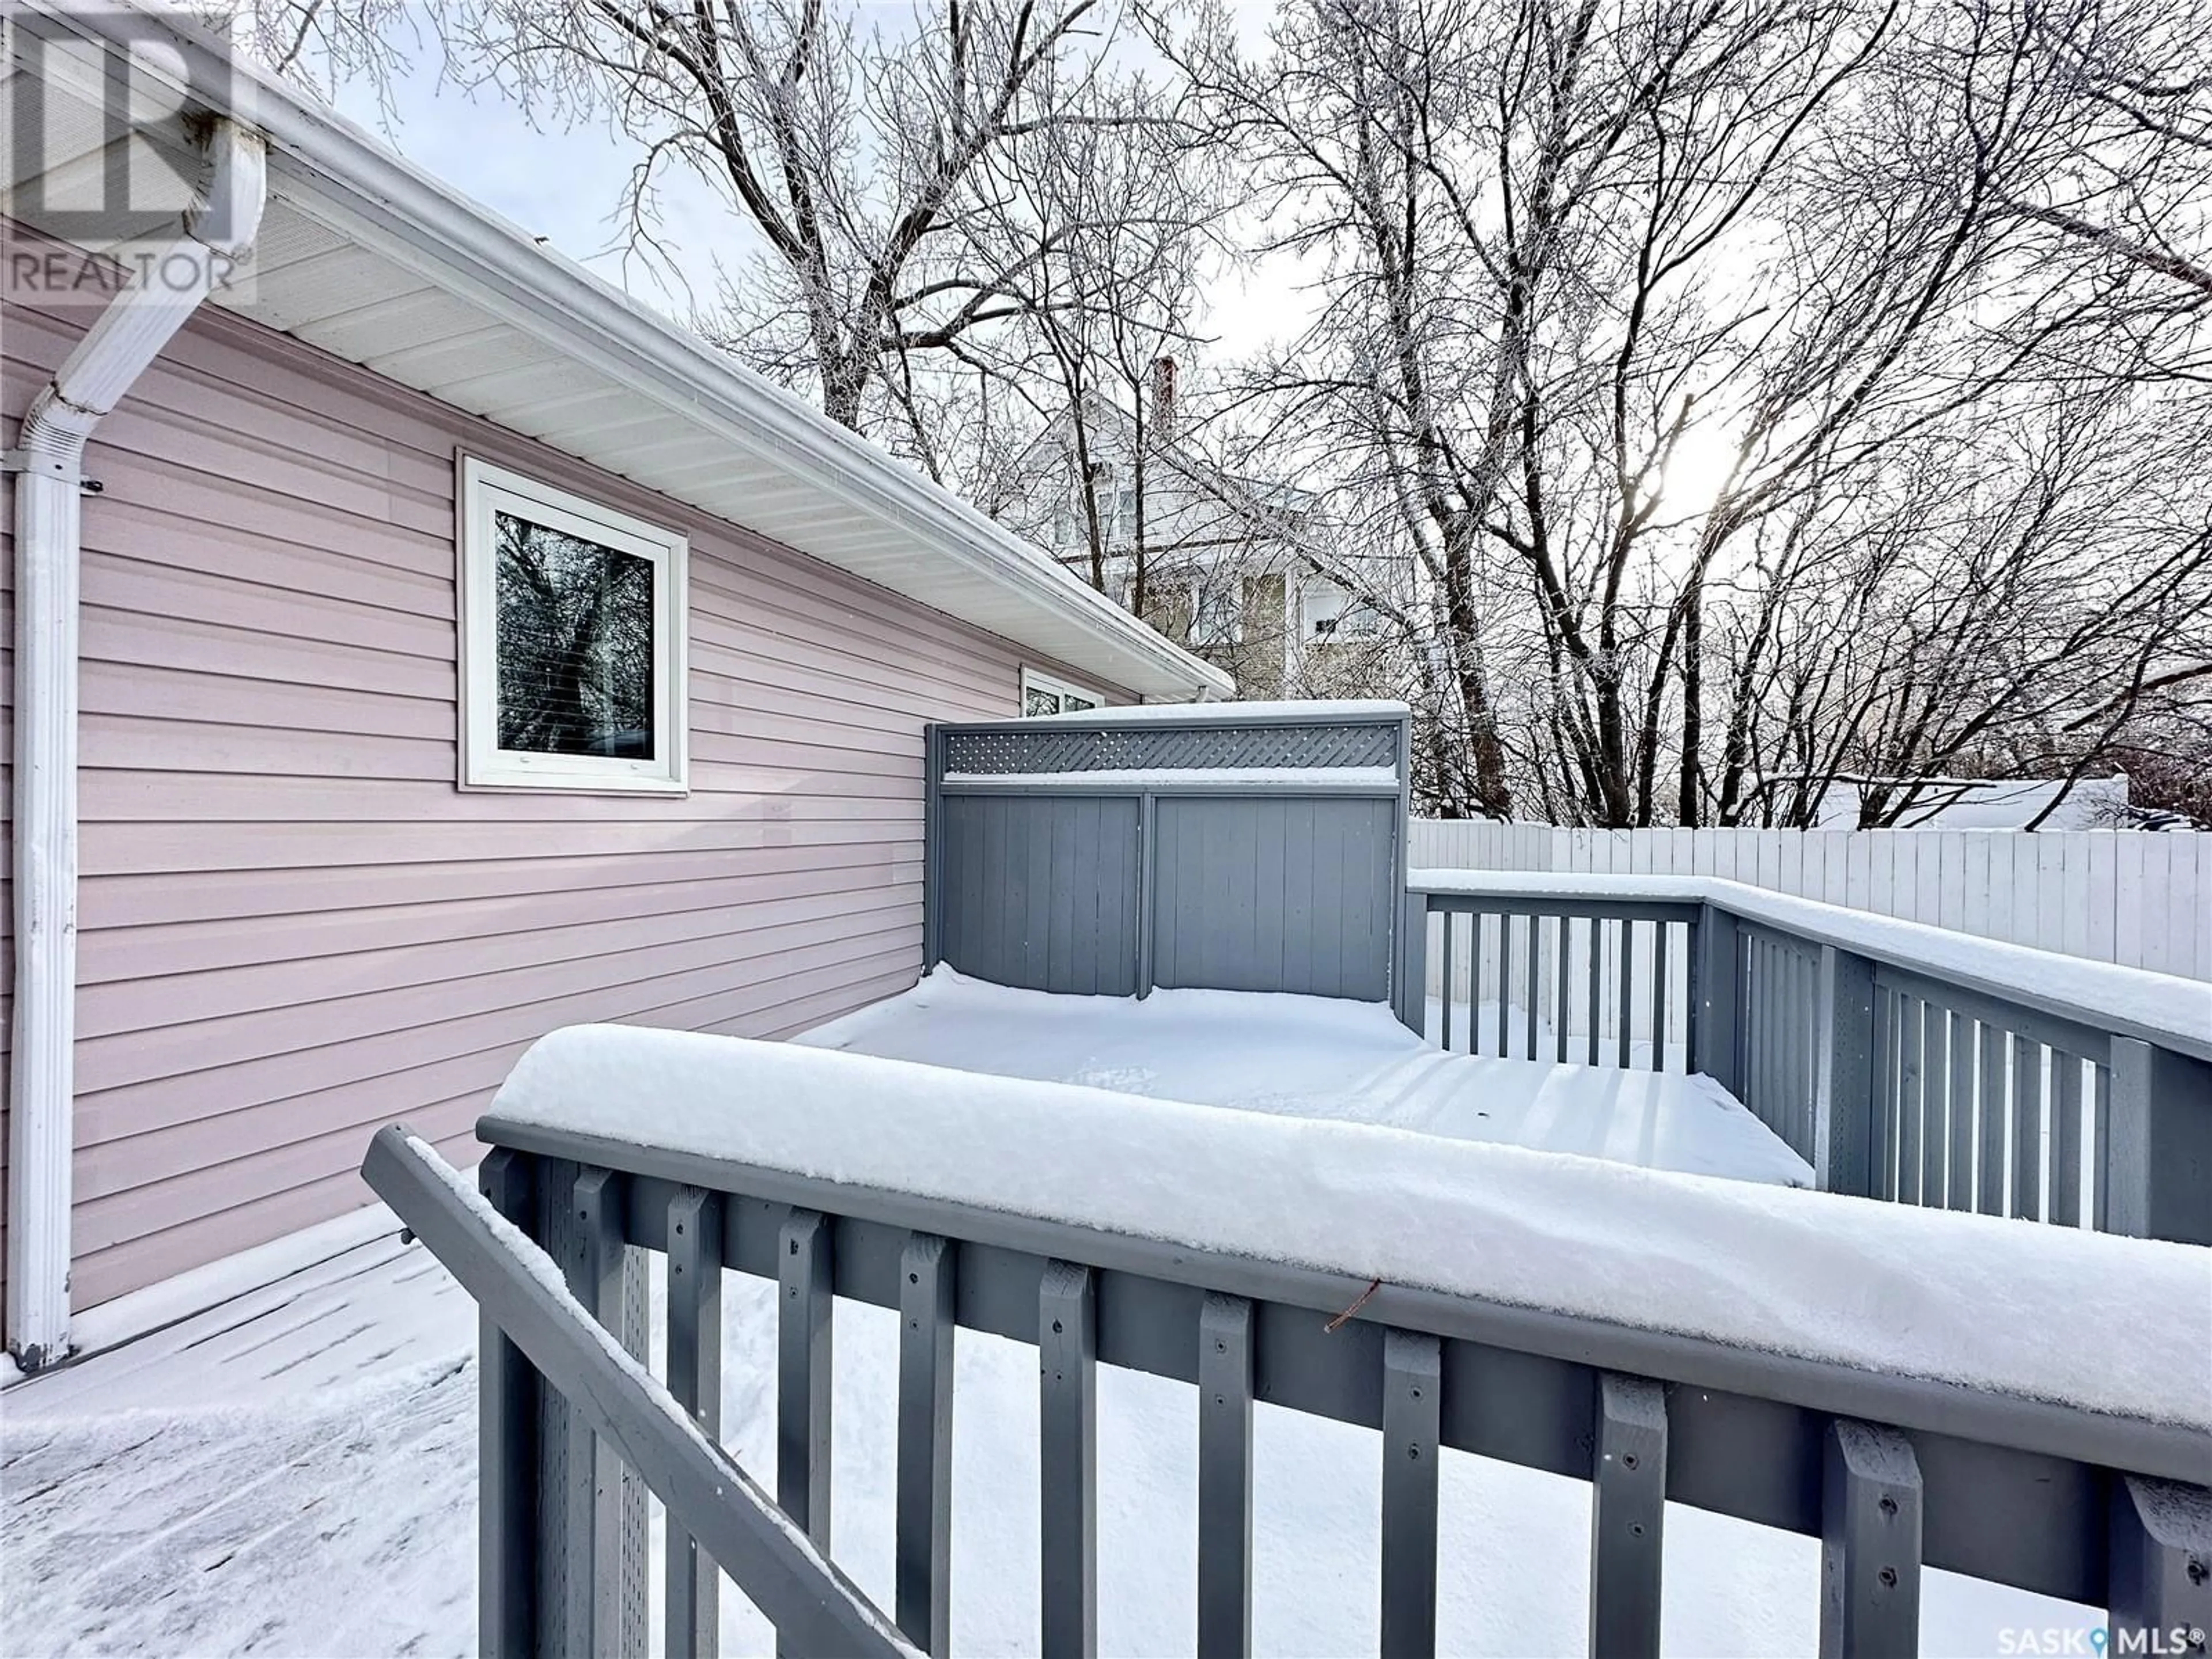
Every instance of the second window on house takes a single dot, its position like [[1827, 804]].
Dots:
[[573, 628], [1043, 694]]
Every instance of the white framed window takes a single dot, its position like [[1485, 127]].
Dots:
[[1042, 694], [573, 628]]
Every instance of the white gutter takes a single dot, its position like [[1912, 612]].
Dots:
[[129, 335]]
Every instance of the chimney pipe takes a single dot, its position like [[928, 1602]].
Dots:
[[1164, 399]]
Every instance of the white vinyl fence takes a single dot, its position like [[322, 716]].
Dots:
[[2140, 899]]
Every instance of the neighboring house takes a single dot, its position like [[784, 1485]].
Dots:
[[1226, 568], [463, 651]]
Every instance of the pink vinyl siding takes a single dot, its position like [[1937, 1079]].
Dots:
[[294, 928]]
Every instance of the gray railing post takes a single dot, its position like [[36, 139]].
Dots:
[[1844, 1084], [506, 1448], [1412, 998], [923, 1539], [1412, 1405], [1870, 1544], [1628, 1514], [1068, 1417], [1224, 1478], [592, 1515], [933, 844], [1714, 1045], [2159, 1567], [2158, 1166], [694, 1382], [1148, 875]]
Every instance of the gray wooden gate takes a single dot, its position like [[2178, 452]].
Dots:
[[1231, 850]]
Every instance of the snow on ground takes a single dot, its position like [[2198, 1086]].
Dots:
[[1317, 1057]]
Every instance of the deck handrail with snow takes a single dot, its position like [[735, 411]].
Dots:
[[531, 1314], [1902, 1061], [1893, 1472]]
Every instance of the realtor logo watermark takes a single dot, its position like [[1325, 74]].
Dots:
[[2169, 1642], [103, 156]]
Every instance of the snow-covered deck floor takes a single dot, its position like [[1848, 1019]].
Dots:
[[1323, 1058]]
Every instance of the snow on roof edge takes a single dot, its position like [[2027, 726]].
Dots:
[[1320, 710], [1958, 1298]]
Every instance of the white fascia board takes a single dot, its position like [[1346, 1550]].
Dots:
[[331, 171]]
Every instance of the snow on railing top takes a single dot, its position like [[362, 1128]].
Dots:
[[1161, 777], [2176, 1012], [1318, 711], [2041, 1313]]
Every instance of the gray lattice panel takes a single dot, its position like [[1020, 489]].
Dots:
[[1123, 748]]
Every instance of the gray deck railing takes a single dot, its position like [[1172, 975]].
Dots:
[[1891, 1473], [1985, 1089]]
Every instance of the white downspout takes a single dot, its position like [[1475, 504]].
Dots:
[[130, 334]]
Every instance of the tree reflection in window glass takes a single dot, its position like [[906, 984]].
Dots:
[[575, 644]]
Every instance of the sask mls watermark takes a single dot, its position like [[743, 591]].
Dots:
[[2095, 1642], [104, 169]]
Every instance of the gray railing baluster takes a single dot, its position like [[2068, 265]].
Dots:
[[2100, 1139], [2066, 1142], [1881, 1096], [805, 1300], [1846, 1093], [599, 1538], [1412, 1377], [1912, 1019], [1759, 1029], [1989, 1175], [2024, 1111], [1562, 1008], [1743, 995], [1767, 1031], [1959, 1188], [1717, 1049], [1067, 1534], [1934, 1117], [2160, 1565], [1870, 1516], [1536, 979], [695, 1379], [923, 1504], [1628, 1509], [1661, 932], [1225, 1477], [1796, 1027], [2157, 1148], [1625, 969], [1474, 983], [1448, 919], [1596, 966], [506, 1446]]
